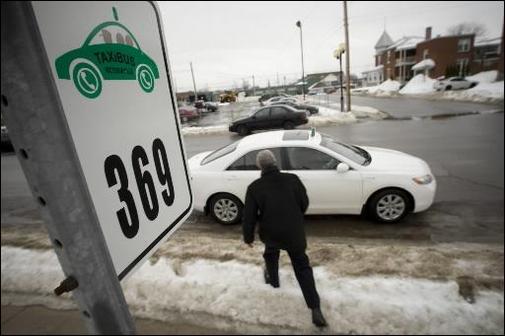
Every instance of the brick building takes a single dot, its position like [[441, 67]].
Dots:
[[457, 55]]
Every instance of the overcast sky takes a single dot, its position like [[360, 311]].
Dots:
[[228, 42]]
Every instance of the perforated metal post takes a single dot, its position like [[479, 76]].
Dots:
[[39, 132]]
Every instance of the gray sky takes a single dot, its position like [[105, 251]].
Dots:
[[230, 41]]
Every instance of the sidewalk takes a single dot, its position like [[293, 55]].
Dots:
[[42, 320]]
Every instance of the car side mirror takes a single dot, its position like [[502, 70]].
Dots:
[[342, 168]]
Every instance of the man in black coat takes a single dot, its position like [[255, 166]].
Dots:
[[278, 201]]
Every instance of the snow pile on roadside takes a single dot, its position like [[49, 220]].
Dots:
[[484, 77], [248, 99], [198, 130], [420, 84], [232, 296], [387, 89], [328, 115], [483, 92]]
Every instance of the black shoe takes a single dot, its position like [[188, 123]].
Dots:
[[318, 318], [266, 276]]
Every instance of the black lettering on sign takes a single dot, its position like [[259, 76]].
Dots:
[[114, 164], [145, 185]]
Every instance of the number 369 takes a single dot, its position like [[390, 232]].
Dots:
[[145, 185]]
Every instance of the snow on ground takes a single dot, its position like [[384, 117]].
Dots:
[[231, 296], [419, 84], [483, 92], [198, 130], [484, 77], [388, 88]]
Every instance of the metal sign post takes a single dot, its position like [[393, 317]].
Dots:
[[88, 101]]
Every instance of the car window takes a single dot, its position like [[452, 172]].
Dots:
[[301, 158], [248, 161], [220, 152], [113, 34], [262, 114], [277, 112]]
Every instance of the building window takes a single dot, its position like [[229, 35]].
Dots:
[[389, 56], [425, 53], [464, 45]]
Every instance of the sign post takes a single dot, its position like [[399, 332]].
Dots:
[[87, 97]]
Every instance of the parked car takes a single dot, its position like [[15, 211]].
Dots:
[[340, 178], [188, 113], [281, 116], [270, 95], [211, 106], [454, 83], [298, 106], [278, 99]]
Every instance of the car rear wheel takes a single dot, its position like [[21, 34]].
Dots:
[[243, 130], [289, 125], [226, 209], [472, 85], [87, 80], [389, 206]]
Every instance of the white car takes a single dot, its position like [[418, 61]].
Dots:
[[454, 83], [279, 99], [339, 178]]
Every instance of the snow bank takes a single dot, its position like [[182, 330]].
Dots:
[[420, 84], [248, 99], [483, 92], [484, 77], [232, 296], [385, 89], [198, 130], [328, 115]]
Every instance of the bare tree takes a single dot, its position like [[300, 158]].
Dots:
[[468, 28]]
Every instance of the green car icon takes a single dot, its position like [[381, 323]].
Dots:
[[110, 52]]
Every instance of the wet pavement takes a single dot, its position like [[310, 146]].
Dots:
[[465, 154]]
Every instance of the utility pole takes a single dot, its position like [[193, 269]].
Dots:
[[299, 25], [194, 84], [254, 86], [284, 84], [278, 83], [347, 57]]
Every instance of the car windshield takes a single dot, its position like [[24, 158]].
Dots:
[[353, 153], [220, 152]]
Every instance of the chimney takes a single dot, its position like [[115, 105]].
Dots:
[[428, 33]]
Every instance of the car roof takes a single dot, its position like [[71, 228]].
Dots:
[[279, 138]]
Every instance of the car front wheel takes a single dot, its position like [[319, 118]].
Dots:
[[389, 206], [243, 130], [226, 209]]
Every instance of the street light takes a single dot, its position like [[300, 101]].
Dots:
[[299, 25], [337, 53]]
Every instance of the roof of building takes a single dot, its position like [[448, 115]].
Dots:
[[384, 41], [491, 41], [378, 67], [407, 42]]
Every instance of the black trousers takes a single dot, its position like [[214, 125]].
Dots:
[[302, 269]]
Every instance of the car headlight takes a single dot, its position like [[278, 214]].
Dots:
[[426, 179]]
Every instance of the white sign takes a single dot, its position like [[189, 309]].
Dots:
[[110, 67]]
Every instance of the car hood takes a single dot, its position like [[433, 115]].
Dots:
[[394, 161], [194, 161], [240, 120]]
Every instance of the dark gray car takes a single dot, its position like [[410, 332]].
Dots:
[[277, 116]]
